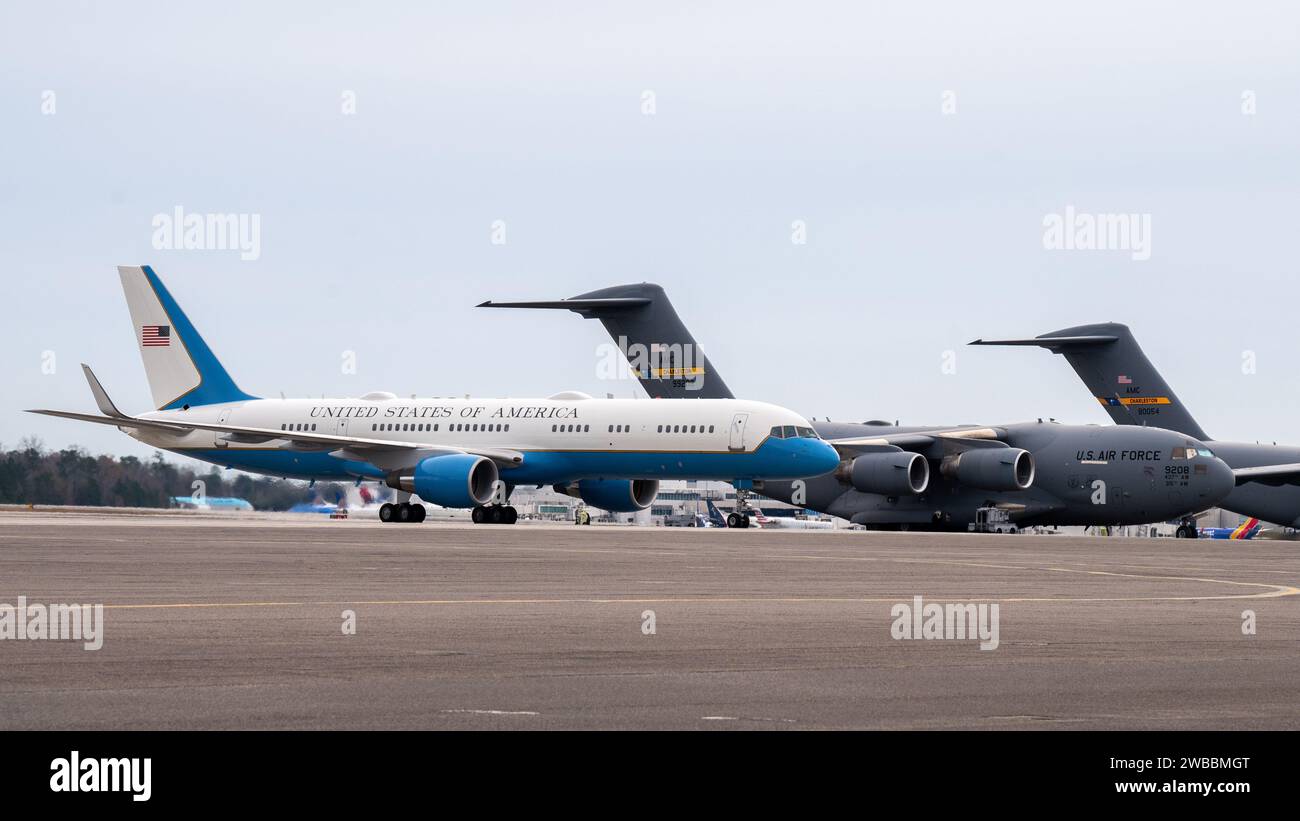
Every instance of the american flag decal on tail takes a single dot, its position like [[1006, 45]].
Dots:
[[156, 336]]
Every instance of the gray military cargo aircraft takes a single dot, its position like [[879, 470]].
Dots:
[[1110, 362], [1039, 473]]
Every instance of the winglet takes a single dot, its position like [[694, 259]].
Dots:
[[106, 405]]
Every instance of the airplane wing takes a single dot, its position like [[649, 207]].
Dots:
[[356, 447], [934, 444], [1275, 475]]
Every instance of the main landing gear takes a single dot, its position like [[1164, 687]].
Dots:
[[494, 515], [403, 513]]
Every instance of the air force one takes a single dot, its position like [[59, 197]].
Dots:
[[458, 453], [937, 477], [1109, 361]]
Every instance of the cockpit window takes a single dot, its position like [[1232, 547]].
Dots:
[[1205, 452], [793, 432], [1184, 453]]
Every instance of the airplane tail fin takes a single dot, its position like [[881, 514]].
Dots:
[[181, 368], [667, 360], [1248, 529], [1111, 363], [715, 515]]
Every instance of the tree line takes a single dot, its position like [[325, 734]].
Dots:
[[30, 474]]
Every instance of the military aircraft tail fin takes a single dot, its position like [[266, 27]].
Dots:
[[641, 320], [1111, 363]]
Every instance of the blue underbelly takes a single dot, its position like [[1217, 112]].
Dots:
[[549, 467], [538, 468]]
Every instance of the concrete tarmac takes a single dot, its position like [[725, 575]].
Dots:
[[227, 621]]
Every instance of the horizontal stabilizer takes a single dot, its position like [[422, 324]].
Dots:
[[1052, 342], [582, 306]]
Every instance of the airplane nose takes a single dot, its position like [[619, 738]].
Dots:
[[822, 458]]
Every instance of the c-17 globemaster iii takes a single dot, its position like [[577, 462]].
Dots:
[[935, 477], [1110, 362]]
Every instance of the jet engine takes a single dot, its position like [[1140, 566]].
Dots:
[[614, 495], [896, 473], [454, 480], [991, 468]]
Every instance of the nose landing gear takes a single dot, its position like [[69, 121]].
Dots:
[[738, 520], [740, 516]]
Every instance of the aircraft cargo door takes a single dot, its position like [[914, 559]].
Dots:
[[737, 439]]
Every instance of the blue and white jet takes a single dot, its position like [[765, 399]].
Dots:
[[460, 453]]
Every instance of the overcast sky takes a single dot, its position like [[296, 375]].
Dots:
[[921, 144]]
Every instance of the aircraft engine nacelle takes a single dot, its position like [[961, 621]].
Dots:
[[454, 480], [614, 495], [898, 473], [991, 468]]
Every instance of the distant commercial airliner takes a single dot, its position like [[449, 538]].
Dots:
[[459, 453], [1248, 529]]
